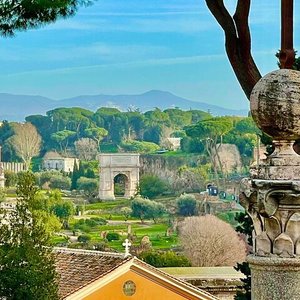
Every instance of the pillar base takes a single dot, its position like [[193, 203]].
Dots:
[[274, 278]]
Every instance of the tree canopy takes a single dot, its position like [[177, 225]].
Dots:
[[23, 14], [146, 209], [65, 126], [211, 131]]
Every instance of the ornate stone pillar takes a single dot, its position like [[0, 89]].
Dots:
[[272, 195]]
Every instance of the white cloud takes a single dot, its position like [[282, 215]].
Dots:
[[140, 14], [180, 60], [131, 5], [167, 23], [94, 52], [138, 63], [72, 25]]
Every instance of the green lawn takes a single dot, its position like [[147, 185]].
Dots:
[[55, 239], [156, 234], [110, 211], [108, 205]]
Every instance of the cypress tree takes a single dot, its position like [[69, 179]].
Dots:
[[75, 176], [81, 170]]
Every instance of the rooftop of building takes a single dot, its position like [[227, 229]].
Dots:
[[77, 268]]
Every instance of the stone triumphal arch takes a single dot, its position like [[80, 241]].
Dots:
[[112, 166]]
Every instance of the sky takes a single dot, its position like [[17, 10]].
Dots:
[[132, 46]]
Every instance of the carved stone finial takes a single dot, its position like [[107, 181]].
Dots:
[[275, 107], [275, 104]]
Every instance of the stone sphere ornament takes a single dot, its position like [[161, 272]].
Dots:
[[275, 104]]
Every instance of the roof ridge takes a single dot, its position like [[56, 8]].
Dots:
[[89, 252]]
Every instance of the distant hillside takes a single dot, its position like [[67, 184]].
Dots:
[[17, 107]]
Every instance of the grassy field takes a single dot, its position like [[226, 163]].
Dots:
[[109, 211], [108, 205]]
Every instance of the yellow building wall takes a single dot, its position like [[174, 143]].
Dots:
[[145, 290]]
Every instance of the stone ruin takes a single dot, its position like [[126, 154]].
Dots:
[[114, 164]]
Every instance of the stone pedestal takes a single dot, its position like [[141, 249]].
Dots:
[[275, 278]]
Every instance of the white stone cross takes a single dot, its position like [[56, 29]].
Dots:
[[127, 245]]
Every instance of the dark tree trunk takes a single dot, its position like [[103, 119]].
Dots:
[[237, 41]]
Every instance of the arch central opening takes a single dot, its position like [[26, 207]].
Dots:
[[120, 185]]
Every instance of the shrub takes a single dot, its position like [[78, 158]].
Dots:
[[164, 259], [2, 194], [99, 221], [209, 242], [60, 182], [11, 178], [112, 236], [126, 212], [102, 246], [63, 210], [89, 168], [186, 205], [90, 223], [88, 185], [84, 228], [84, 238], [90, 173], [86, 225], [138, 146], [146, 209], [44, 177], [152, 186]]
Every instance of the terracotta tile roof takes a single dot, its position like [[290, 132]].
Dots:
[[52, 155], [77, 268]]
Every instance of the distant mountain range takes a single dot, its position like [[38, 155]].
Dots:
[[17, 107]]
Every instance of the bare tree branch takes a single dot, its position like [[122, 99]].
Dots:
[[207, 241], [86, 149], [26, 141]]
